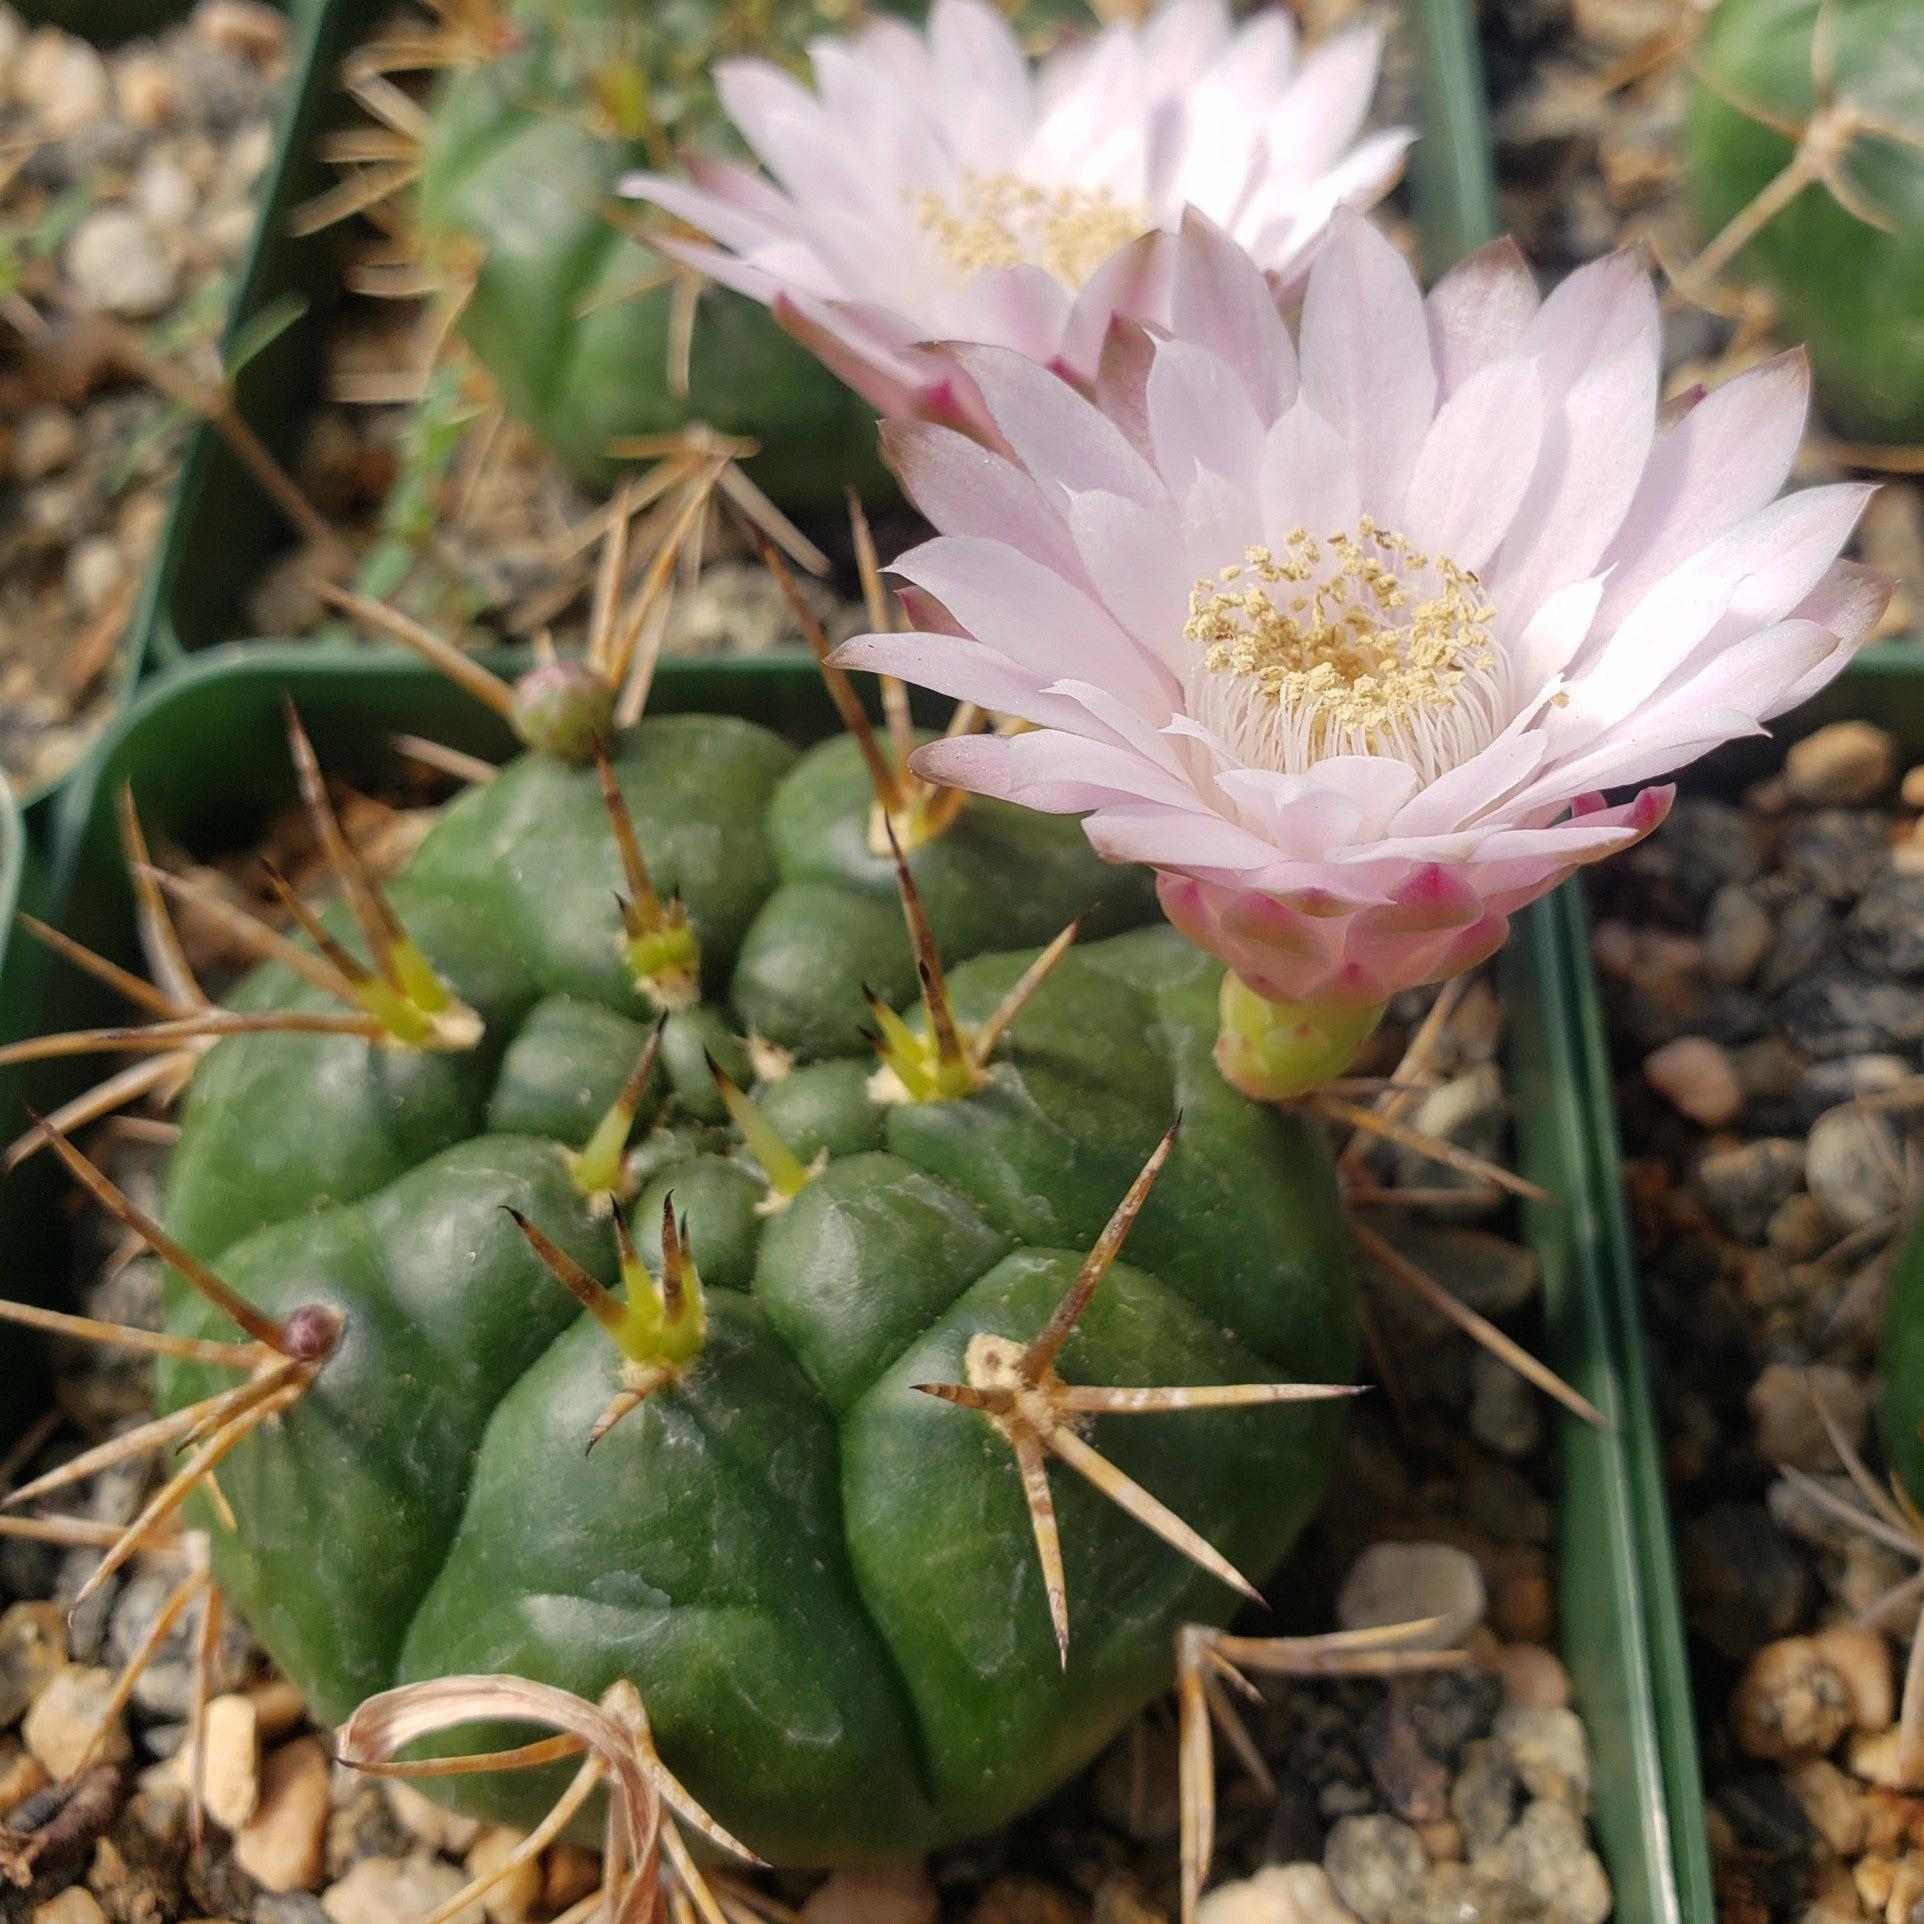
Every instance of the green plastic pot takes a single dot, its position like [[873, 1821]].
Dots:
[[1622, 1621], [204, 750]]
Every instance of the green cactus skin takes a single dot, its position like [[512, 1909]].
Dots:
[[511, 168], [1853, 294], [822, 1582], [508, 170], [1901, 1368]]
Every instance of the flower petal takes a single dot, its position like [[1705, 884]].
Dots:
[[1365, 359]]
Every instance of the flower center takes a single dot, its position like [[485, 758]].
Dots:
[[1002, 220], [1353, 645]]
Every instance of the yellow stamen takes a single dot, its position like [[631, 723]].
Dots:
[[1002, 220], [1353, 645]]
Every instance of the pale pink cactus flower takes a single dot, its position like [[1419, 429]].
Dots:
[[1344, 633], [938, 187]]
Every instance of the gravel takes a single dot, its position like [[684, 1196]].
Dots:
[[129, 206]]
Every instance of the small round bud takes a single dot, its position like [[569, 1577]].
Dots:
[[564, 708], [309, 1334]]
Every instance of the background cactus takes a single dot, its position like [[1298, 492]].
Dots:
[[1901, 1424], [1845, 256], [571, 314], [822, 1582]]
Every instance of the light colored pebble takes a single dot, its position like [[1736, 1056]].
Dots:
[[1532, 1675], [117, 266], [1548, 1751], [61, 79], [1874, 1875], [68, 1715], [1854, 1166], [44, 441], [1862, 1657], [1547, 1851], [1791, 1704], [75, 1905], [284, 1847], [231, 1775], [1907, 1887], [1737, 934], [1277, 1894], [1399, 1582], [439, 1829], [165, 193], [21, 1775], [144, 89], [885, 1894], [1835, 1806], [397, 1890], [95, 571], [570, 1873], [1872, 1759], [515, 1897], [246, 27], [1912, 791], [1842, 766], [1785, 1403], [1374, 1863], [1697, 1078]]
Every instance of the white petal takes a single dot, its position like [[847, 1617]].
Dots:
[[1475, 464], [1201, 419], [1724, 460], [1056, 434], [984, 78], [1593, 453], [1131, 559], [1306, 479], [1365, 356], [963, 488], [1222, 302], [1479, 310], [1174, 837], [1472, 787], [1031, 614]]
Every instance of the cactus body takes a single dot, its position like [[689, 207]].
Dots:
[[518, 177], [1901, 1369], [576, 353], [822, 1582], [1854, 294]]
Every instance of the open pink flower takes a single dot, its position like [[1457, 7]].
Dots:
[[936, 188], [1343, 634]]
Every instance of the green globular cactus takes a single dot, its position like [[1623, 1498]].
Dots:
[[827, 1586], [1901, 1368], [575, 338], [1834, 94], [571, 313]]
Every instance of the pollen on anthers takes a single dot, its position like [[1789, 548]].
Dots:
[[1002, 220], [1355, 644]]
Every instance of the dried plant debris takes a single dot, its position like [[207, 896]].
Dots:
[[1761, 962], [127, 188]]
